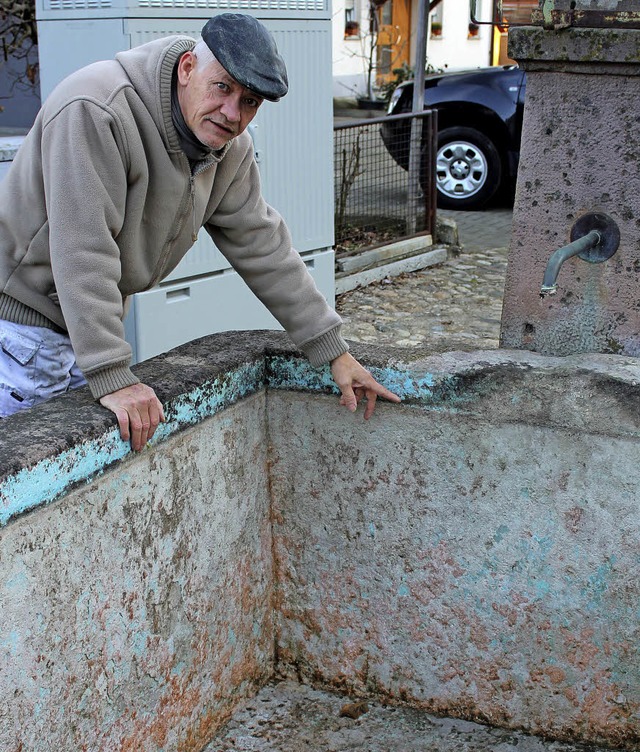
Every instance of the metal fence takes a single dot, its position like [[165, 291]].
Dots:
[[373, 201]]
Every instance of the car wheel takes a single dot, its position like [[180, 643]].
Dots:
[[468, 169]]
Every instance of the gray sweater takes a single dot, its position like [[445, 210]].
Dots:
[[101, 203]]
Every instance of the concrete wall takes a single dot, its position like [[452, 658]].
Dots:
[[472, 551], [476, 554], [135, 608]]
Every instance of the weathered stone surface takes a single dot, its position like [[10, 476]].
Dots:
[[579, 154], [45, 451], [613, 51], [446, 230], [288, 717], [472, 551], [460, 557], [137, 611]]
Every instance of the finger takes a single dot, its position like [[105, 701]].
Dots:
[[348, 398], [360, 394], [371, 404], [136, 430], [123, 424], [381, 391], [145, 417], [155, 409]]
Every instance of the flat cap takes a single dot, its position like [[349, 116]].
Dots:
[[247, 51]]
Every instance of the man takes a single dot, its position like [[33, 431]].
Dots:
[[126, 161]]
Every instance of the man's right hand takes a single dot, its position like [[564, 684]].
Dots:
[[139, 412]]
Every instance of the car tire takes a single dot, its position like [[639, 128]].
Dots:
[[468, 169]]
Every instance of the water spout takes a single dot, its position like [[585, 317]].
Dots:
[[585, 243]]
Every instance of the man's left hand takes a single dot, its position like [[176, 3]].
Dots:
[[356, 383]]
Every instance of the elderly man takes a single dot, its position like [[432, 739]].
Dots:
[[126, 161]]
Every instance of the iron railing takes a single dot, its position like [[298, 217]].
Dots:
[[373, 201]]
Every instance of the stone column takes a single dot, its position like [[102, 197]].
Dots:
[[580, 153]]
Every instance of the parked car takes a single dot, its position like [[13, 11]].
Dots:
[[479, 129]]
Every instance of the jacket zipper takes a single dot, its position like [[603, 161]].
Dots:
[[192, 185], [180, 223], [194, 230]]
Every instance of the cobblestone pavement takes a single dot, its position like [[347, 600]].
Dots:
[[456, 305]]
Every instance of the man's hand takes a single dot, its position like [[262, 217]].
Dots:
[[356, 383], [138, 411]]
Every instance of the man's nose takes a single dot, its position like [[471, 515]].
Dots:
[[231, 109]]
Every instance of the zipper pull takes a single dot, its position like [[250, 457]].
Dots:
[[194, 231]]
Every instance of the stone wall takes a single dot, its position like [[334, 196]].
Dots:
[[579, 155], [136, 607], [472, 551], [476, 557]]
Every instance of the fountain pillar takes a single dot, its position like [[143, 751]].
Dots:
[[580, 154]]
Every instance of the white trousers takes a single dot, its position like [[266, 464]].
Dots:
[[35, 364]]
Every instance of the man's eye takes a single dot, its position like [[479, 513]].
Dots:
[[222, 86], [252, 102]]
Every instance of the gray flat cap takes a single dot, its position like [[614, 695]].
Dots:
[[246, 50]]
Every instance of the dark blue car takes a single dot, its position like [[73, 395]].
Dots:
[[479, 128]]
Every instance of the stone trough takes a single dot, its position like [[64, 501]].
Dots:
[[472, 552]]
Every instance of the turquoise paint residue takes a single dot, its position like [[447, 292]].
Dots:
[[52, 477], [403, 591], [404, 384], [500, 533], [436, 537], [598, 583], [292, 373], [545, 543], [42, 702], [83, 703], [140, 641], [285, 372], [542, 588], [372, 530], [12, 643], [19, 582], [178, 669], [211, 397]]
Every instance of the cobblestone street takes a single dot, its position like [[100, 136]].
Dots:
[[456, 305]]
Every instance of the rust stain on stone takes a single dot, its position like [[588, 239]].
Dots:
[[572, 519]]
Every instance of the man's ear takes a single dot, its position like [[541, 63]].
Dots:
[[186, 66]]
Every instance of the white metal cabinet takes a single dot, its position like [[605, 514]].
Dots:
[[177, 312]]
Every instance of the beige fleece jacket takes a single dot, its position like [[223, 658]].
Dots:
[[100, 203]]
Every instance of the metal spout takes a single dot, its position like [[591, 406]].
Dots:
[[585, 243]]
